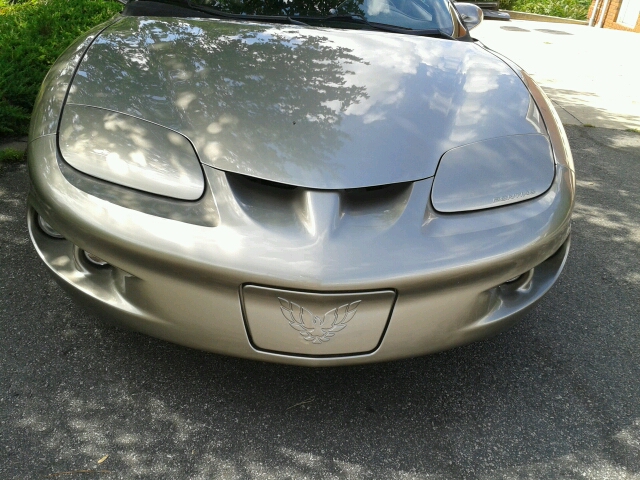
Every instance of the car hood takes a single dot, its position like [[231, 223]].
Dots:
[[314, 107]]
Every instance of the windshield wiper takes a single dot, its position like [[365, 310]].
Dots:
[[384, 27], [240, 16]]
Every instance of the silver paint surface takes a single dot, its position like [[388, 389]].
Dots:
[[200, 212], [314, 107], [181, 282], [131, 152], [315, 324], [555, 130], [471, 14], [493, 173], [48, 104], [378, 109]]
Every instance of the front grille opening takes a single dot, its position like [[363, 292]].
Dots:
[[375, 188], [266, 202], [267, 183], [376, 199], [281, 203]]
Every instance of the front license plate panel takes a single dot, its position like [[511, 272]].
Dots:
[[316, 324]]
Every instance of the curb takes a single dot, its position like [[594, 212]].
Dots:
[[19, 144], [534, 17]]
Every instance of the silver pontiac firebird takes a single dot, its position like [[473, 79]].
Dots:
[[297, 181]]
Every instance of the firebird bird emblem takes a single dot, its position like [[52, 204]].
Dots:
[[316, 329]]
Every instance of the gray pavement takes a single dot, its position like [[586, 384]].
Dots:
[[592, 75], [557, 396]]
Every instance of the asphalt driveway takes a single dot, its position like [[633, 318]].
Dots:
[[558, 396]]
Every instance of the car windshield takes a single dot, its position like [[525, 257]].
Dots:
[[410, 15]]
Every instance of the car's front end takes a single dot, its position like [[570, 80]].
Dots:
[[297, 194]]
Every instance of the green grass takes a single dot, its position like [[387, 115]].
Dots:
[[576, 9], [33, 33], [10, 156]]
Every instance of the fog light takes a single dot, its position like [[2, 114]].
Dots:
[[94, 259], [48, 229], [516, 283]]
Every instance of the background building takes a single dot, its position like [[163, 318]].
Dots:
[[617, 14]]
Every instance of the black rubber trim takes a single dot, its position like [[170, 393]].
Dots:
[[149, 8]]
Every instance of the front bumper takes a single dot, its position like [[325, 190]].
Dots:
[[182, 280]]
